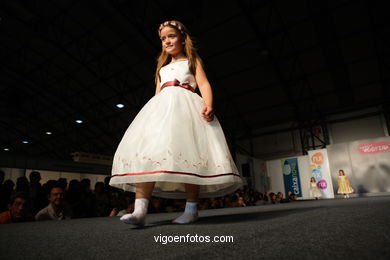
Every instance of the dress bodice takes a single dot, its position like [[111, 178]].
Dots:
[[178, 70]]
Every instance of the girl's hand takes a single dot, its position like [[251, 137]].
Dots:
[[208, 113]]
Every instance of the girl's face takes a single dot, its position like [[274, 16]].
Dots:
[[341, 173], [312, 179], [171, 41]]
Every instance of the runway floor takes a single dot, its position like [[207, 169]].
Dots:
[[356, 228]]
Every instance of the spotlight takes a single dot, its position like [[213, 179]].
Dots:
[[78, 121], [49, 133], [25, 141], [120, 105]]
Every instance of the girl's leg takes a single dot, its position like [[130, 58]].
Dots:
[[144, 190], [192, 192], [191, 211], [142, 197]]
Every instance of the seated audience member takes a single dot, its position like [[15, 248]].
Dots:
[[57, 209], [291, 196], [2, 177], [294, 196], [102, 202], [279, 198], [37, 193], [156, 205], [5, 194], [18, 209], [22, 184], [63, 182], [214, 203], [260, 199], [116, 212], [241, 202], [272, 198]]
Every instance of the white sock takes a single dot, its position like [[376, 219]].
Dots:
[[190, 214], [139, 214]]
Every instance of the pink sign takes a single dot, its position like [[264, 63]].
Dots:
[[371, 148], [322, 184]]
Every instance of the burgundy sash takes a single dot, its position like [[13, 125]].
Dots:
[[176, 83]]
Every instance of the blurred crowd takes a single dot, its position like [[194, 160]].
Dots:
[[29, 200]]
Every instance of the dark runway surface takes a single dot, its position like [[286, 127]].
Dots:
[[357, 228]]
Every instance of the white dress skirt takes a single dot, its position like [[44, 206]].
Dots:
[[170, 143]]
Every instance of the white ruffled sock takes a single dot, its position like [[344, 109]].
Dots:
[[139, 214], [190, 214]]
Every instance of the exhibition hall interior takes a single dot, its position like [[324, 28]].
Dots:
[[299, 99]]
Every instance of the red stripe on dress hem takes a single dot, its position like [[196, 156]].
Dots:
[[172, 172]]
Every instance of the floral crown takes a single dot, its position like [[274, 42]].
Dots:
[[171, 23]]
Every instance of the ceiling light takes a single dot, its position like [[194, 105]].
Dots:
[[120, 105], [6, 149], [78, 121], [48, 133], [25, 141]]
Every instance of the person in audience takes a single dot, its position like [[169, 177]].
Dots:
[[5, 194], [272, 198], [102, 202], [22, 185], [63, 182], [57, 208], [260, 200], [2, 177], [214, 203], [290, 196], [157, 205], [241, 202], [73, 197], [18, 209], [37, 193], [87, 199], [280, 198]]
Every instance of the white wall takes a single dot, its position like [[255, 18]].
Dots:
[[288, 144], [364, 128]]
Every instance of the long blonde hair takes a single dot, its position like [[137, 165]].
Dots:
[[189, 49]]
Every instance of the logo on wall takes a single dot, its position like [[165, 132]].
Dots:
[[322, 184], [374, 147], [317, 158], [291, 176]]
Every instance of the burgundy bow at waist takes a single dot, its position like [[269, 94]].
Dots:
[[176, 83]]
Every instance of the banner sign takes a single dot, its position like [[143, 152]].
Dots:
[[319, 166], [291, 176]]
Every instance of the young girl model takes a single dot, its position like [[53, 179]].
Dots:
[[175, 146], [314, 191], [344, 185]]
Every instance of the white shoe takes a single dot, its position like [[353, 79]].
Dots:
[[133, 220], [186, 218]]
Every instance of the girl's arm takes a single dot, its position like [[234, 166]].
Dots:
[[206, 91], [158, 88]]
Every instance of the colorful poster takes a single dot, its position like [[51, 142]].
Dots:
[[319, 166], [291, 176]]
